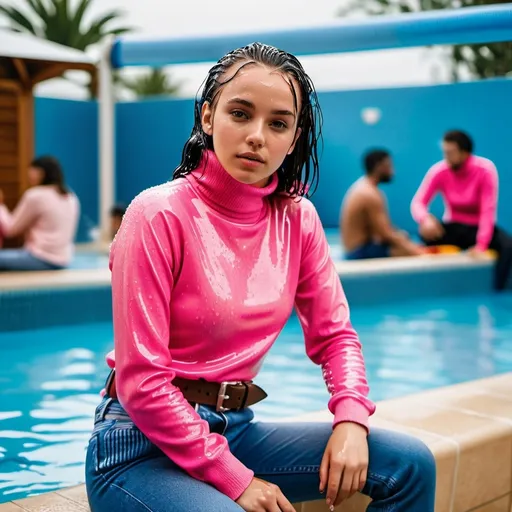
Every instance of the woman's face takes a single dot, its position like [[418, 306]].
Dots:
[[35, 176], [253, 122]]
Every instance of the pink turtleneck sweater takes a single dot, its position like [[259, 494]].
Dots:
[[47, 219], [470, 196], [205, 273]]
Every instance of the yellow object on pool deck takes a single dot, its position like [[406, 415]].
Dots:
[[453, 249], [447, 249]]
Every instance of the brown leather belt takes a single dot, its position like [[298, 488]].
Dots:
[[224, 396]]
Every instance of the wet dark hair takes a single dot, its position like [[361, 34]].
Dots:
[[52, 172], [299, 173], [374, 157], [462, 139], [118, 210]]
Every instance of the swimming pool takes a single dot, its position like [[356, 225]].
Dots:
[[51, 377]]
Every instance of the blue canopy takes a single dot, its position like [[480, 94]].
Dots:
[[456, 26]]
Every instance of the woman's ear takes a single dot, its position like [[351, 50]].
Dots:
[[207, 118], [295, 139]]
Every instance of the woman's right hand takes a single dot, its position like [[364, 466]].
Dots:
[[263, 496]]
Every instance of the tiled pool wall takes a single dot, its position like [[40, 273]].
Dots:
[[39, 308], [33, 308]]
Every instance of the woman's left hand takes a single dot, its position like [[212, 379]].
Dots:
[[345, 463]]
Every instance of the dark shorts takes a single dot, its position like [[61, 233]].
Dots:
[[367, 251]]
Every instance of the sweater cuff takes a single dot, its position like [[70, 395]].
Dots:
[[229, 475], [351, 410], [420, 217]]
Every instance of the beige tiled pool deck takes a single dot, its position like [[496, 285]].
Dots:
[[97, 277], [468, 427]]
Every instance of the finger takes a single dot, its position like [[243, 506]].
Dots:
[[282, 501], [324, 472], [355, 483], [269, 501], [335, 473], [362, 479], [346, 484]]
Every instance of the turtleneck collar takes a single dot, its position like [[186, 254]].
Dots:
[[226, 195], [466, 168]]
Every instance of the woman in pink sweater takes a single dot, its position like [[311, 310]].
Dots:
[[469, 186], [46, 216], [206, 271]]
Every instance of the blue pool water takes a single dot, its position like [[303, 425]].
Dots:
[[50, 378]]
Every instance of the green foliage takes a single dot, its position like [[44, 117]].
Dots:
[[481, 60], [154, 83]]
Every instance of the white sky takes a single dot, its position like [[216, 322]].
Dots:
[[155, 18]]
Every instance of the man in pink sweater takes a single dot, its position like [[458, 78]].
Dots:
[[468, 185]]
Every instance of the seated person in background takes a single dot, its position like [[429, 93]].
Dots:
[[47, 216], [366, 228], [469, 187], [116, 217]]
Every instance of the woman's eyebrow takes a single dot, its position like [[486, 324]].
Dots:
[[250, 105]]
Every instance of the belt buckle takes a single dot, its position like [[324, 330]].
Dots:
[[221, 395]]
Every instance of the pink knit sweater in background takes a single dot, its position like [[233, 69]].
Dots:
[[470, 195], [47, 219], [205, 273]]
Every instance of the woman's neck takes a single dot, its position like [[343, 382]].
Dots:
[[228, 196]]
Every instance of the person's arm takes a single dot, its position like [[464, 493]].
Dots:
[[488, 207], [23, 216], [144, 263], [381, 225], [331, 341], [424, 195]]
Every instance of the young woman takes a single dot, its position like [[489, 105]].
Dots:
[[206, 270], [47, 217]]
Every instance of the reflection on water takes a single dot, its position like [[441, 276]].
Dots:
[[51, 378]]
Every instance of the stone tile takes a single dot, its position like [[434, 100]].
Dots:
[[50, 502], [77, 494], [499, 505], [10, 507], [484, 472]]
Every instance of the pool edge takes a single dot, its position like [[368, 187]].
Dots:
[[468, 428]]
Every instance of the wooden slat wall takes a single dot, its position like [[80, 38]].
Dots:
[[16, 144], [9, 146]]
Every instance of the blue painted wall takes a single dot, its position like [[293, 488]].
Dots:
[[149, 139], [151, 134], [412, 124], [68, 130]]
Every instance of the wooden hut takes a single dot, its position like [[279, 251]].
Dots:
[[24, 62]]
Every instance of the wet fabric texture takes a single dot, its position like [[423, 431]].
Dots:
[[206, 270]]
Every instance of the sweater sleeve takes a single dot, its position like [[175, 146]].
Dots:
[[143, 262], [23, 216], [425, 193], [331, 341], [488, 206]]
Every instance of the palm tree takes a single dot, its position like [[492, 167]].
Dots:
[[154, 83], [58, 21]]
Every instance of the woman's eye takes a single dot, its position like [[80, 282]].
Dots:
[[279, 125], [239, 114]]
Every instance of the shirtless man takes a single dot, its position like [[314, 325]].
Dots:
[[366, 228]]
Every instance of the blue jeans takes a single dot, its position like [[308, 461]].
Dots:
[[125, 471], [21, 259]]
